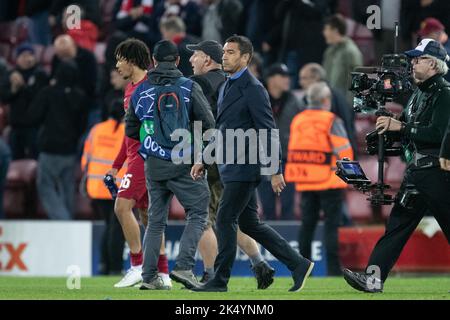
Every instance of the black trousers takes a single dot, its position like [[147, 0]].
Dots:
[[113, 241], [434, 196], [238, 206], [331, 202]]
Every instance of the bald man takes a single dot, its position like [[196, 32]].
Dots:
[[65, 50]]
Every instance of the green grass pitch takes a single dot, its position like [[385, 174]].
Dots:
[[240, 288]]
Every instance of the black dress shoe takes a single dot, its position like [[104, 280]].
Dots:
[[300, 274], [205, 278], [363, 282], [209, 288], [264, 274]]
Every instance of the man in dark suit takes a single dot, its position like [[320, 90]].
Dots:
[[244, 106]]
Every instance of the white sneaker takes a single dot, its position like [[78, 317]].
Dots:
[[132, 277], [166, 280]]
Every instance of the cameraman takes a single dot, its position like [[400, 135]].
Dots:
[[421, 126]]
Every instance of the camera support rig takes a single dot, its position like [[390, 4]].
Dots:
[[371, 94], [376, 190]]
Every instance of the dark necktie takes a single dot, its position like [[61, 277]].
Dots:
[[228, 84]]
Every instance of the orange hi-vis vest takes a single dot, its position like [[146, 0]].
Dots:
[[100, 149], [317, 139]]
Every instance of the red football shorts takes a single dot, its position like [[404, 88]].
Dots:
[[133, 184]]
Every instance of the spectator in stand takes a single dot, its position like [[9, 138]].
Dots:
[[118, 84], [37, 11], [174, 29], [59, 109], [221, 19], [189, 11], [86, 35], [384, 37], [341, 56], [19, 89], [285, 106], [256, 66], [5, 159], [296, 37], [138, 20], [109, 65], [432, 28], [413, 12], [100, 149], [67, 50], [257, 20]]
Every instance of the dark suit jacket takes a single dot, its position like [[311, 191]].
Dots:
[[245, 106]]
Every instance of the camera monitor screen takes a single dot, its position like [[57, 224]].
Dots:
[[352, 172]]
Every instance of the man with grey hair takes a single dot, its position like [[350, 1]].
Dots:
[[317, 140], [425, 187], [312, 73], [173, 29]]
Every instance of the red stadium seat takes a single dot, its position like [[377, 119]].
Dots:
[[20, 196], [359, 208]]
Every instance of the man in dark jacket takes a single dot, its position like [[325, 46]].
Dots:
[[425, 187], [164, 177], [207, 65], [174, 29], [293, 47], [243, 107], [59, 110], [19, 89], [66, 49], [285, 106]]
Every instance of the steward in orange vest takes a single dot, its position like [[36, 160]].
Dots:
[[100, 150], [318, 138]]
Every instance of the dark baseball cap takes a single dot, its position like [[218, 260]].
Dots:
[[24, 47], [209, 47], [165, 51], [277, 68], [430, 47]]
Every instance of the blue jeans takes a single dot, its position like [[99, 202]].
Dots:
[[56, 184]]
